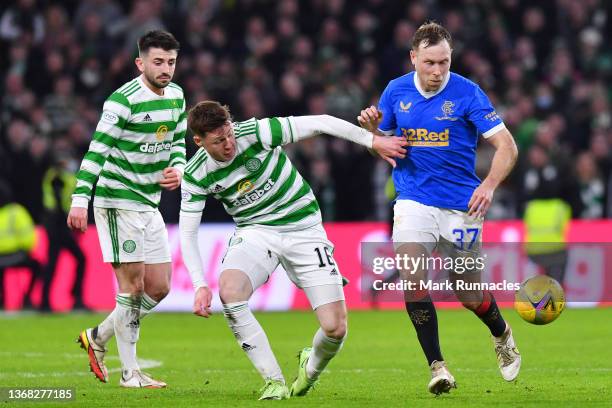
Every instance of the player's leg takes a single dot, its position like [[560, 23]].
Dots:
[[328, 303], [158, 271], [307, 256], [247, 265], [462, 238], [415, 234]]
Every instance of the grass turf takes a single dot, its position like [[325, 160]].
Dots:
[[566, 363]]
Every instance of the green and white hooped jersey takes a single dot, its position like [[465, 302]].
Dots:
[[259, 186], [139, 134]]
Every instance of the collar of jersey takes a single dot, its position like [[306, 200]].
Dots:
[[428, 95], [148, 90]]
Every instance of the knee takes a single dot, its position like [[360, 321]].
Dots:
[[134, 286], [158, 292], [231, 291], [337, 329]]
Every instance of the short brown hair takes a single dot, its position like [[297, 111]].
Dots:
[[207, 116], [157, 39], [430, 33]]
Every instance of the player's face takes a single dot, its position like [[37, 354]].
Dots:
[[431, 64], [220, 143], [158, 66]]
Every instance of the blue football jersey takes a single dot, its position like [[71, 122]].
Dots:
[[442, 130]]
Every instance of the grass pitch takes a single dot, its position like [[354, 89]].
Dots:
[[566, 363]]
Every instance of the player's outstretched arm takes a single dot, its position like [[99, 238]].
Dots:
[[370, 118], [504, 158], [387, 148]]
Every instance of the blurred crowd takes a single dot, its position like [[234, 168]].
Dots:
[[546, 65]]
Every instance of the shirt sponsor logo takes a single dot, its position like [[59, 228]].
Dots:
[[161, 132], [245, 186], [423, 137], [493, 116], [447, 110], [254, 195], [110, 117], [155, 147]]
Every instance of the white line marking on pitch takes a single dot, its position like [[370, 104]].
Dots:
[[144, 364]]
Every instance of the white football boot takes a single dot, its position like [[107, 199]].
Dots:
[[138, 379], [508, 356], [441, 379]]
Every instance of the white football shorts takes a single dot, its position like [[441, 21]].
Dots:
[[452, 232], [132, 236], [306, 255]]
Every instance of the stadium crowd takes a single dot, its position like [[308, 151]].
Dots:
[[546, 65]]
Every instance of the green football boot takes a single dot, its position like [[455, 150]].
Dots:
[[274, 390], [302, 383]]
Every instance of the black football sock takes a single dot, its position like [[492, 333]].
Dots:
[[489, 313], [425, 320]]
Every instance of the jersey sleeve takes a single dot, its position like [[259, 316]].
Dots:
[[274, 132], [115, 115], [385, 105], [482, 114], [193, 197], [177, 153]]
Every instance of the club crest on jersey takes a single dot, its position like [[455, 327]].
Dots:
[[405, 107], [160, 133], [447, 110], [253, 164]]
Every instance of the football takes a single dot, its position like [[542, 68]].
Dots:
[[539, 300]]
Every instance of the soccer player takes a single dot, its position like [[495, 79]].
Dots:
[[277, 221], [441, 202], [138, 149]]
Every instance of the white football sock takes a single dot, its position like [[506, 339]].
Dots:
[[106, 329], [127, 328], [252, 339], [323, 350]]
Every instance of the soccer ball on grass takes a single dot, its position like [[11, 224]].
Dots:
[[539, 300]]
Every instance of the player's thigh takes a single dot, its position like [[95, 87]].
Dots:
[[332, 316], [130, 277], [252, 251], [308, 258], [157, 280], [414, 222], [156, 246], [234, 286], [121, 234]]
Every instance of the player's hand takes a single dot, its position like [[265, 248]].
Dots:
[[389, 147], [77, 219], [370, 118], [172, 178], [481, 201], [201, 302]]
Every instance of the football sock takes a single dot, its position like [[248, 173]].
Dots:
[[489, 313], [425, 320], [105, 330], [127, 328], [252, 339], [323, 350]]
